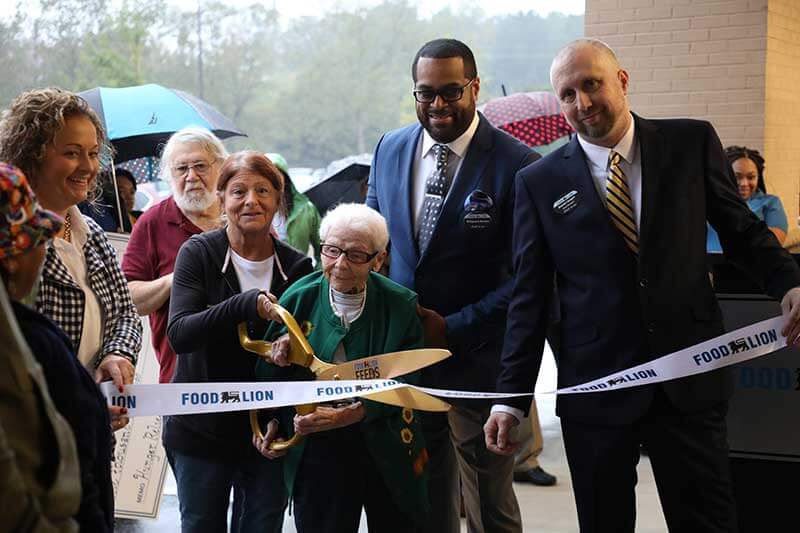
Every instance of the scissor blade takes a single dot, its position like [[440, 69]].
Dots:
[[385, 366], [408, 397]]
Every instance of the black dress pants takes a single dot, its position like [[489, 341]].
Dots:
[[689, 456]]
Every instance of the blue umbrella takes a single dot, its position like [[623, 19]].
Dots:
[[141, 118]]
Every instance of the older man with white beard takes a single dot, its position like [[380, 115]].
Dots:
[[190, 163]]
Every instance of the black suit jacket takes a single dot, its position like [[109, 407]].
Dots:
[[617, 312], [465, 273]]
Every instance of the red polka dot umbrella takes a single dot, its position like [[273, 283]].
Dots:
[[533, 118]]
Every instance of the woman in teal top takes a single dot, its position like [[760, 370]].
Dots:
[[748, 167], [360, 453]]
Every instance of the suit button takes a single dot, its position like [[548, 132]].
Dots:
[[651, 328], [643, 283]]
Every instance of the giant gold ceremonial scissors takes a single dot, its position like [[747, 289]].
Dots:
[[385, 366]]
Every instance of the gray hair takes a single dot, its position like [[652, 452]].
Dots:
[[190, 135], [606, 51], [358, 218]]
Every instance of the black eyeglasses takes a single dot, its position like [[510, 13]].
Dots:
[[354, 256], [449, 94]]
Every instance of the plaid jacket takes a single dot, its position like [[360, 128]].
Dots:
[[62, 300]]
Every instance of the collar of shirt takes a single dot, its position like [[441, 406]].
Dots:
[[79, 228], [174, 215], [597, 161], [598, 155], [458, 146]]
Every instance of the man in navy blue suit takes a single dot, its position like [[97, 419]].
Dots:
[[445, 186], [618, 215]]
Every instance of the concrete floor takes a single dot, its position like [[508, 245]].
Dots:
[[544, 509]]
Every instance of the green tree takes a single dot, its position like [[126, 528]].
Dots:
[[128, 43], [319, 89]]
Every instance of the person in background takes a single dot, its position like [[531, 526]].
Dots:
[[526, 461], [190, 163], [362, 453], [748, 168], [101, 206], [301, 227], [224, 277], [126, 185], [529, 433], [55, 138], [25, 229]]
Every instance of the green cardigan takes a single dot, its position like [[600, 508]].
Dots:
[[389, 323]]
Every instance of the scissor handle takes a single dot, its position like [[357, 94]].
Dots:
[[281, 445], [300, 353]]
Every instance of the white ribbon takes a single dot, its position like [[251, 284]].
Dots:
[[194, 398], [733, 347]]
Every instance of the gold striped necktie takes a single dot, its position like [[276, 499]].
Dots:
[[620, 205]]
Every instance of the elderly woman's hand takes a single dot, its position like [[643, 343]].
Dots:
[[115, 368], [266, 308], [262, 445], [326, 418]]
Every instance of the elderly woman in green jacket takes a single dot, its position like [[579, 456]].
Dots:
[[362, 453]]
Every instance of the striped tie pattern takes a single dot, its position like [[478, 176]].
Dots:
[[620, 206]]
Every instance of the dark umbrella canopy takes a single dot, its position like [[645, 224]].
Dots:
[[140, 119], [347, 185], [534, 118]]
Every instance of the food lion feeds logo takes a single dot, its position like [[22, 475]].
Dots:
[[367, 369], [735, 346]]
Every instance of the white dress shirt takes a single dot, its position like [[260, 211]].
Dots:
[[597, 161], [631, 163], [425, 164]]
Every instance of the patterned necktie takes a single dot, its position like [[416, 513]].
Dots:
[[620, 206], [435, 191]]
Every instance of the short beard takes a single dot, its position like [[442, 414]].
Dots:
[[193, 202]]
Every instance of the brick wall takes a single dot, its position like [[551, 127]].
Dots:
[[735, 63], [691, 58], [782, 113]]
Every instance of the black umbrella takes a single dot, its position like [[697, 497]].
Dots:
[[347, 185]]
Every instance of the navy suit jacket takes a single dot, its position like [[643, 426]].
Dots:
[[465, 273], [617, 312]]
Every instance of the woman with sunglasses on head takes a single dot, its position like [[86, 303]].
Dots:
[[224, 277], [56, 139], [360, 453]]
